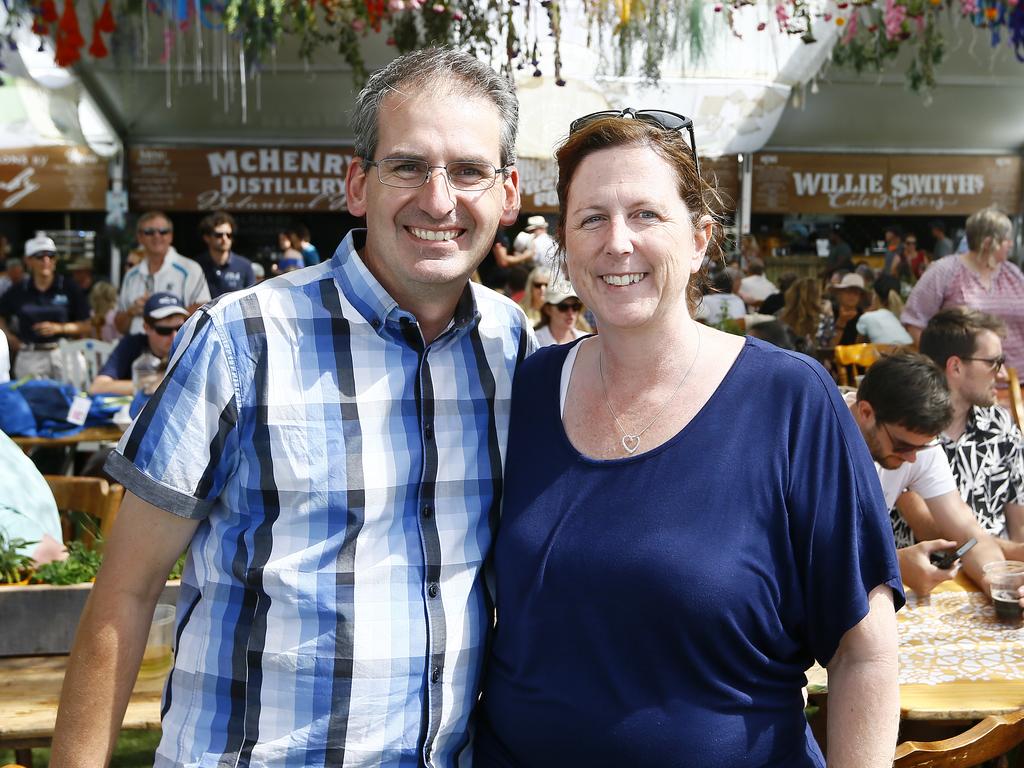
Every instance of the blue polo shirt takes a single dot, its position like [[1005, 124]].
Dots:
[[24, 305], [119, 364], [233, 276]]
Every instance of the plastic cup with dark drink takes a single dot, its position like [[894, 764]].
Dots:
[[1006, 578]]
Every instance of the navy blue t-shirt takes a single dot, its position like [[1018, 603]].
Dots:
[[23, 305], [119, 364], [233, 276], [660, 610]]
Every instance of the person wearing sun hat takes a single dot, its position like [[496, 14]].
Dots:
[[544, 247], [850, 293], [39, 311], [559, 316]]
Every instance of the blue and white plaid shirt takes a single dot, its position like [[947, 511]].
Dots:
[[333, 610]]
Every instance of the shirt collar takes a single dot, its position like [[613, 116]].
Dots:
[[376, 305]]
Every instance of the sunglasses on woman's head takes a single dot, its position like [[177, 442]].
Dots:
[[669, 121]]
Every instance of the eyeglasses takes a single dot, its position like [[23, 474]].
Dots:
[[670, 121], [220, 235], [539, 286], [150, 231], [406, 173], [569, 306], [901, 446], [44, 255], [161, 330], [995, 363]]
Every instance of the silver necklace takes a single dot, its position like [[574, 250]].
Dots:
[[631, 441]]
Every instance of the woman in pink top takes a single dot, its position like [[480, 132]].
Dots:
[[980, 279]]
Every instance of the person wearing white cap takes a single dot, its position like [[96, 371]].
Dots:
[[43, 308], [544, 247], [559, 315]]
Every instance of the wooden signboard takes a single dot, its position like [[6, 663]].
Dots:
[[907, 185], [239, 179], [52, 179], [538, 180]]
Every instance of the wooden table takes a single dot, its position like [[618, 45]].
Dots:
[[956, 661], [108, 433], [29, 692]]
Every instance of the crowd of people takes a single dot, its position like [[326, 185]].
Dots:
[[41, 304], [429, 523]]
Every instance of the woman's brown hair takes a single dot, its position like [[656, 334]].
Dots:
[[701, 198]]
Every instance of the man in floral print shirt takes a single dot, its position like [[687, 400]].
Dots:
[[982, 443]]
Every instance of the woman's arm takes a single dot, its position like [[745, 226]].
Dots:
[[863, 698]]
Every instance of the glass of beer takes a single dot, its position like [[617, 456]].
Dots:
[[1006, 578], [156, 659]]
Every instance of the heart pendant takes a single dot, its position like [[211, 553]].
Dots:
[[631, 443]]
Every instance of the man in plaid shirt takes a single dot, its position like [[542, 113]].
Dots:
[[329, 447]]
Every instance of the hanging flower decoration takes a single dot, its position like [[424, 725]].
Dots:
[[513, 33]]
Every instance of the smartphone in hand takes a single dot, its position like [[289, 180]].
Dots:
[[945, 560]]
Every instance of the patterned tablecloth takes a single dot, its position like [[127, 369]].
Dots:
[[957, 662], [950, 636]]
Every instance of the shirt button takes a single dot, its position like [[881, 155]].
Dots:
[[435, 675], [428, 511], [375, 323], [432, 590], [428, 432]]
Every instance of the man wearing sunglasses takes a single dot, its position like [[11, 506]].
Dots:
[[162, 270], [163, 315], [981, 442], [39, 311], [329, 446], [225, 270], [901, 406]]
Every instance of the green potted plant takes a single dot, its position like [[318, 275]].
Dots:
[[15, 567]]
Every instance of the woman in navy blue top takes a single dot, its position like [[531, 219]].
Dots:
[[690, 519]]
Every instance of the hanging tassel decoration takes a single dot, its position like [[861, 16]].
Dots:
[[106, 22], [48, 10], [69, 37], [97, 49]]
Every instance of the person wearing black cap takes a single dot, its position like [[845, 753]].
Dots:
[[43, 308], [163, 315]]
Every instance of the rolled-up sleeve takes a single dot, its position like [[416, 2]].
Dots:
[[180, 451]]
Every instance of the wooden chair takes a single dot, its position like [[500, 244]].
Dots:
[[992, 737], [1016, 399], [92, 495], [851, 360]]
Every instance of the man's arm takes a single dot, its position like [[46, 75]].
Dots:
[[915, 512], [1014, 521], [956, 522], [112, 633], [107, 385], [863, 697]]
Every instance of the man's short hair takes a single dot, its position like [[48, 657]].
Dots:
[[301, 230], [439, 71], [755, 266], [908, 389], [954, 333], [938, 224], [150, 215], [214, 220]]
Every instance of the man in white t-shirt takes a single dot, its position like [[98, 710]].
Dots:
[[901, 406]]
